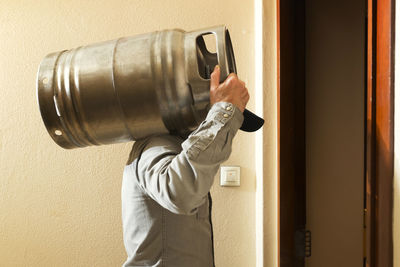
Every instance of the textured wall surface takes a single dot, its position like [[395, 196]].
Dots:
[[62, 207]]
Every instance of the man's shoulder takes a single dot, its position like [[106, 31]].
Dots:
[[155, 145], [162, 140]]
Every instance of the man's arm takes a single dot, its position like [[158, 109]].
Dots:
[[180, 181]]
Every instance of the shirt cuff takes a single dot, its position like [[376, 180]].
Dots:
[[225, 112]]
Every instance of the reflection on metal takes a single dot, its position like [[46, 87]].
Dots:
[[130, 88]]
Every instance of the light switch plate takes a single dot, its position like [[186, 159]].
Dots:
[[230, 176]]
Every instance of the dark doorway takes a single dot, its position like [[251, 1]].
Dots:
[[335, 110]]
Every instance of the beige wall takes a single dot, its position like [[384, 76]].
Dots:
[[396, 210], [267, 139], [62, 208]]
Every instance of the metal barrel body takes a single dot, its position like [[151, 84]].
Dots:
[[130, 88]]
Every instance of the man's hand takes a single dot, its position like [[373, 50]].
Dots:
[[232, 90]]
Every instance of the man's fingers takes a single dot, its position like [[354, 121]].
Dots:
[[232, 78], [214, 82]]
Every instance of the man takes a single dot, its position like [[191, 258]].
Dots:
[[166, 206]]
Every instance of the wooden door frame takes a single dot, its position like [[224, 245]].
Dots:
[[291, 130], [380, 134], [379, 141]]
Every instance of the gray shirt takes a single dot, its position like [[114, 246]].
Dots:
[[165, 205]]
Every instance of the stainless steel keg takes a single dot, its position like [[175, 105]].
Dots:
[[130, 88]]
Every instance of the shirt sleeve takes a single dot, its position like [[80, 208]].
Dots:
[[179, 180]]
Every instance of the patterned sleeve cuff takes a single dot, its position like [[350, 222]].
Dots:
[[224, 112], [222, 118]]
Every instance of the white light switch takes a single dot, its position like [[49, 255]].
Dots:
[[230, 176]]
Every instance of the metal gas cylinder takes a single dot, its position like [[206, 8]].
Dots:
[[130, 88]]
